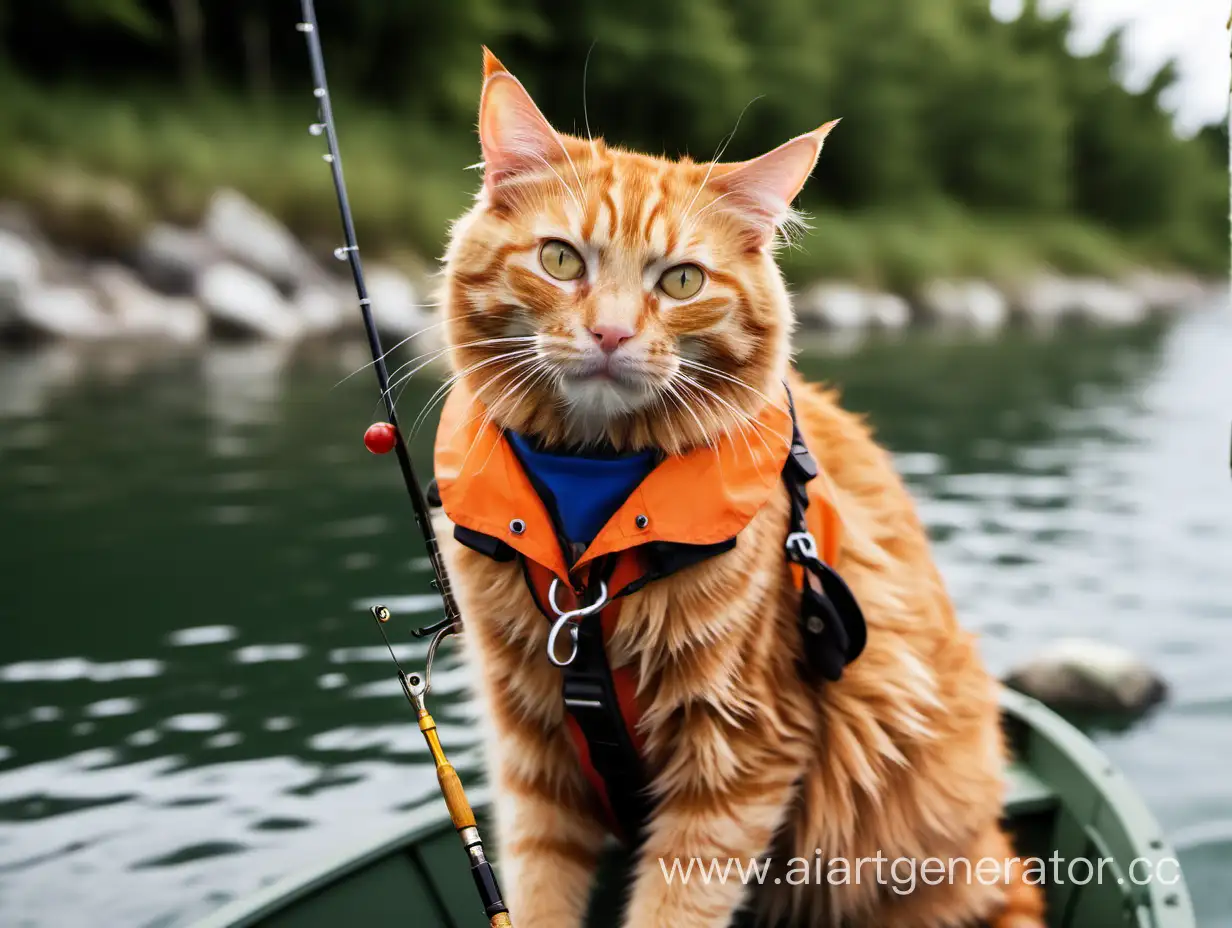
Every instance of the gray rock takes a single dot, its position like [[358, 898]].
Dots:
[[20, 270], [16, 218], [972, 304], [889, 311], [322, 307], [1046, 300], [1166, 291], [1106, 303], [142, 313], [395, 308], [1092, 676], [170, 258], [833, 306], [247, 234], [240, 302], [62, 312]]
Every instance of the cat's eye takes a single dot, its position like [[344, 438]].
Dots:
[[561, 260], [682, 281]]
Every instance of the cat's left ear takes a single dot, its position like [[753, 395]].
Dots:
[[513, 134], [764, 187]]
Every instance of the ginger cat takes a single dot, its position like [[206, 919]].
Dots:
[[598, 297]]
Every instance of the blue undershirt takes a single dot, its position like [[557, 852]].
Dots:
[[586, 491]]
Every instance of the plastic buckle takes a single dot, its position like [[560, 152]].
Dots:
[[803, 545]]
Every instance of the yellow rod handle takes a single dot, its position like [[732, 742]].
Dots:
[[501, 920], [460, 811]]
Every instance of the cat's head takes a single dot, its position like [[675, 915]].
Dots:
[[596, 295]]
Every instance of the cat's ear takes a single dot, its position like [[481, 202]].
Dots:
[[764, 187], [513, 135]]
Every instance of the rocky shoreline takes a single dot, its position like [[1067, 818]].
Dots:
[[241, 274]]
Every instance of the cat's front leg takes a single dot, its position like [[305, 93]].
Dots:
[[549, 843], [694, 868]]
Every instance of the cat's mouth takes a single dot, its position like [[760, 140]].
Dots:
[[618, 372], [607, 387]]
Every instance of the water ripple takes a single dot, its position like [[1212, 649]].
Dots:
[[195, 722], [78, 668], [266, 653], [412, 603], [108, 708], [202, 634]]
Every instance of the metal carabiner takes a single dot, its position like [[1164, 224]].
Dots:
[[566, 617]]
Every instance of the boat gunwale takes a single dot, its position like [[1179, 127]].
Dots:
[[1166, 906]]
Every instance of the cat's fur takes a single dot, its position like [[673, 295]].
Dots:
[[902, 757]]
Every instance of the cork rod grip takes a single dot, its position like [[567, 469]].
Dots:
[[451, 788], [501, 920]]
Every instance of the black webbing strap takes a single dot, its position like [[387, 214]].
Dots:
[[590, 698], [831, 624]]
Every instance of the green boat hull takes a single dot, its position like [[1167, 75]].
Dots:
[[1065, 797]]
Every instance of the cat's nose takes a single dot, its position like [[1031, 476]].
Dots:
[[611, 337]]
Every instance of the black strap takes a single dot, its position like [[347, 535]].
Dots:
[[590, 698], [832, 625]]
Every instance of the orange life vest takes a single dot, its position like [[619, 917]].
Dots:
[[687, 508]]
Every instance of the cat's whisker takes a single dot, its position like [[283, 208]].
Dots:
[[533, 376], [737, 425], [531, 380], [481, 408], [585, 71], [723, 375], [719, 154], [565, 152], [401, 384], [398, 345], [526, 358], [703, 434], [435, 353], [735, 410], [742, 417], [576, 196], [697, 217], [484, 413], [443, 390]]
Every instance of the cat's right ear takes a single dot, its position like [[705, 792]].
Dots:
[[514, 135]]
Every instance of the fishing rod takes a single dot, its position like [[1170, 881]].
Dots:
[[381, 438]]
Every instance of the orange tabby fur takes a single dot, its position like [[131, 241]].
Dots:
[[903, 756]]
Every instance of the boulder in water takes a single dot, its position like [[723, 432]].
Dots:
[[837, 306], [171, 258], [1082, 675], [249, 235], [242, 303], [971, 304], [62, 312], [20, 269], [889, 311], [395, 306], [142, 313]]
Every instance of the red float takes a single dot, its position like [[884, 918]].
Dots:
[[380, 438]]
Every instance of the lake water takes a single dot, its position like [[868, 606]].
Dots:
[[193, 701]]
